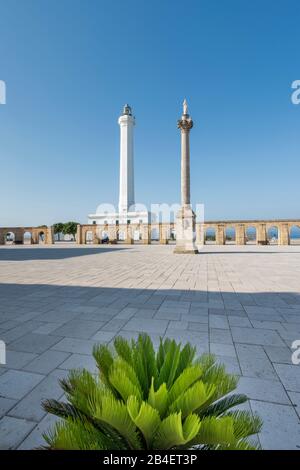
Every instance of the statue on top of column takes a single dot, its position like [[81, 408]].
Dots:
[[185, 107], [186, 122]]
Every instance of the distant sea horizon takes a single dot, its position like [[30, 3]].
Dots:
[[272, 232]]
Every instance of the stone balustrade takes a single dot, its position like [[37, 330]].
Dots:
[[218, 232], [235, 231]]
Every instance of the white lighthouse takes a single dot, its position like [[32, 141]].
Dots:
[[126, 197], [127, 211]]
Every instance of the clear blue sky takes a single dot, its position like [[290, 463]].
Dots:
[[70, 65]]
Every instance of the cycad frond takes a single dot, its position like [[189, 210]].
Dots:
[[60, 409], [144, 362], [123, 379], [78, 435], [206, 361], [104, 359], [159, 399], [123, 349], [217, 431], [223, 381], [114, 412], [145, 417], [171, 433], [192, 399], [169, 367], [245, 423], [186, 358], [187, 378], [223, 404]]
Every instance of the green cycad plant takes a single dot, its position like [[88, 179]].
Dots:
[[142, 399]]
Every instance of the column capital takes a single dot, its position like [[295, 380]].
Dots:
[[185, 123]]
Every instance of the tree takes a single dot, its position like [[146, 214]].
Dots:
[[70, 228], [58, 229], [144, 399]]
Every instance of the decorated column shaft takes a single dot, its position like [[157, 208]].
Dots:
[[185, 124]]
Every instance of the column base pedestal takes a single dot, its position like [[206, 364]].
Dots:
[[185, 232], [185, 251]]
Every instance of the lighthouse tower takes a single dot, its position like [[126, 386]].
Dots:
[[126, 196], [128, 211]]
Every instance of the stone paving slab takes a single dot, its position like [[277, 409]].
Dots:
[[13, 431], [241, 303], [281, 428]]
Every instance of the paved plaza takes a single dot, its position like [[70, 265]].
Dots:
[[240, 303]]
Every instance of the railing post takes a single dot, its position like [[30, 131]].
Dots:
[[240, 235], [220, 235]]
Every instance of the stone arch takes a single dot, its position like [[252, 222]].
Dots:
[[170, 234], [230, 235], [121, 235], [137, 234], [27, 237], [251, 235], [10, 238], [41, 237], [154, 234], [89, 236], [210, 236], [273, 235], [104, 235], [295, 234]]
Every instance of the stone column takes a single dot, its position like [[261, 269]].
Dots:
[[220, 235], [200, 234], [186, 219], [261, 234], [146, 234], [240, 236], [284, 234], [129, 235], [162, 234], [78, 235], [112, 233], [49, 236]]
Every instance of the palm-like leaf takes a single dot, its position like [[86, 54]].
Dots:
[[147, 400]]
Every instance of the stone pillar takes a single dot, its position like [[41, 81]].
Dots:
[[240, 235], [220, 234], [133, 228], [186, 219], [146, 239], [284, 234], [112, 233], [129, 235], [35, 237], [200, 234], [49, 236], [78, 235], [261, 234], [162, 234], [19, 236], [94, 230]]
